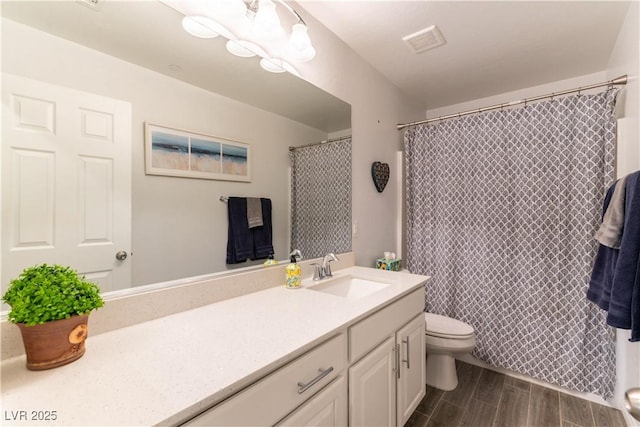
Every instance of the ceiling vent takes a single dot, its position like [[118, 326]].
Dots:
[[424, 39], [92, 4]]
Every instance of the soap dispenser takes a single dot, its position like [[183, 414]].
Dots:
[[293, 270], [270, 260]]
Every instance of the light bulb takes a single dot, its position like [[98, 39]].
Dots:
[[299, 38], [300, 47], [267, 22]]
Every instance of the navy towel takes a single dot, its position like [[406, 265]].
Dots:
[[262, 236], [615, 280], [244, 243], [239, 237]]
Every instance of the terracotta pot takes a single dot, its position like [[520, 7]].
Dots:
[[55, 343]]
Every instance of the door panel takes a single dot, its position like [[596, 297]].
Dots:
[[95, 194], [32, 197], [66, 181], [372, 388], [412, 382]]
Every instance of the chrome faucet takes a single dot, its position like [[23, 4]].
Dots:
[[324, 270]]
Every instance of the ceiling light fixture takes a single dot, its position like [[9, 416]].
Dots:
[[253, 27], [200, 26]]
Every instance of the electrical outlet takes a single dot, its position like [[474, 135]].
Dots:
[[354, 229]]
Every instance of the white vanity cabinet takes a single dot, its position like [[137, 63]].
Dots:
[[381, 382], [278, 394], [274, 357], [387, 380], [328, 408]]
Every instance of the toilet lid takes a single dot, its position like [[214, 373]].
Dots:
[[443, 326]]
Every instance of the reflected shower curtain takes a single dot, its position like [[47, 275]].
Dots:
[[502, 209], [321, 198]]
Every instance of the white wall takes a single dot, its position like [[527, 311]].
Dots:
[[519, 94], [170, 214], [625, 59], [376, 107]]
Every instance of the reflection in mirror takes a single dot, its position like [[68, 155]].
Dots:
[[321, 197], [78, 85]]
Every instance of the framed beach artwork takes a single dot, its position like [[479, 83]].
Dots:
[[176, 152]]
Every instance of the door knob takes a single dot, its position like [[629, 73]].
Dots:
[[121, 256]]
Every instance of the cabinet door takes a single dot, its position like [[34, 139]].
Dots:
[[372, 388], [411, 384], [327, 408]]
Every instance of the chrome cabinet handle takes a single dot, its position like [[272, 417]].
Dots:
[[397, 350], [406, 341], [323, 373]]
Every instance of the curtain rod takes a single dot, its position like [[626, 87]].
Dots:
[[326, 141], [622, 80]]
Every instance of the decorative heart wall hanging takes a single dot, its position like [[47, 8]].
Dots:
[[380, 175]]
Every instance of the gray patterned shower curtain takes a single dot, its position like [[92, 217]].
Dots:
[[321, 198], [502, 209]]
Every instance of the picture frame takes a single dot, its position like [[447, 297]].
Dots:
[[181, 153]]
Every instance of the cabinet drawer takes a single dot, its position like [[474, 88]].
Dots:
[[327, 408], [276, 395], [366, 334]]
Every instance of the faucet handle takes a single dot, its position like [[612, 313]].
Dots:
[[317, 273]]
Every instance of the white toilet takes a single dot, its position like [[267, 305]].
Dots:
[[445, 338]]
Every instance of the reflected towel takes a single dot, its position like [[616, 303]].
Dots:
[[610, 231], [254, 212], [239, 237], [262, 236]]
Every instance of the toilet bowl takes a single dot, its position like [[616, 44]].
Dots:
[[445, 338]]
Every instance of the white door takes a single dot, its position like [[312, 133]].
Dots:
[[66, 181], [412, 381], [372, 388], [328, 408]]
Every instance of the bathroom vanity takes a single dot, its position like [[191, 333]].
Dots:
[[338, 351]]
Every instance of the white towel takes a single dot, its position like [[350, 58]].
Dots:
[[610, 232], [254, 212]]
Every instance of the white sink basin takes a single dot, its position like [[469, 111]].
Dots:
[[349, 287]]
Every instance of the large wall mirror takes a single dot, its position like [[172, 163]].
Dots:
[[72, 75]]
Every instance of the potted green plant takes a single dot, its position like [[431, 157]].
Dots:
[[51, 306]]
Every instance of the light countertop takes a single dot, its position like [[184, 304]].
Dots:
[[166, 370]]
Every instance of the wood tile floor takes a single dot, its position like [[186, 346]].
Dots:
[[486, 398]]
